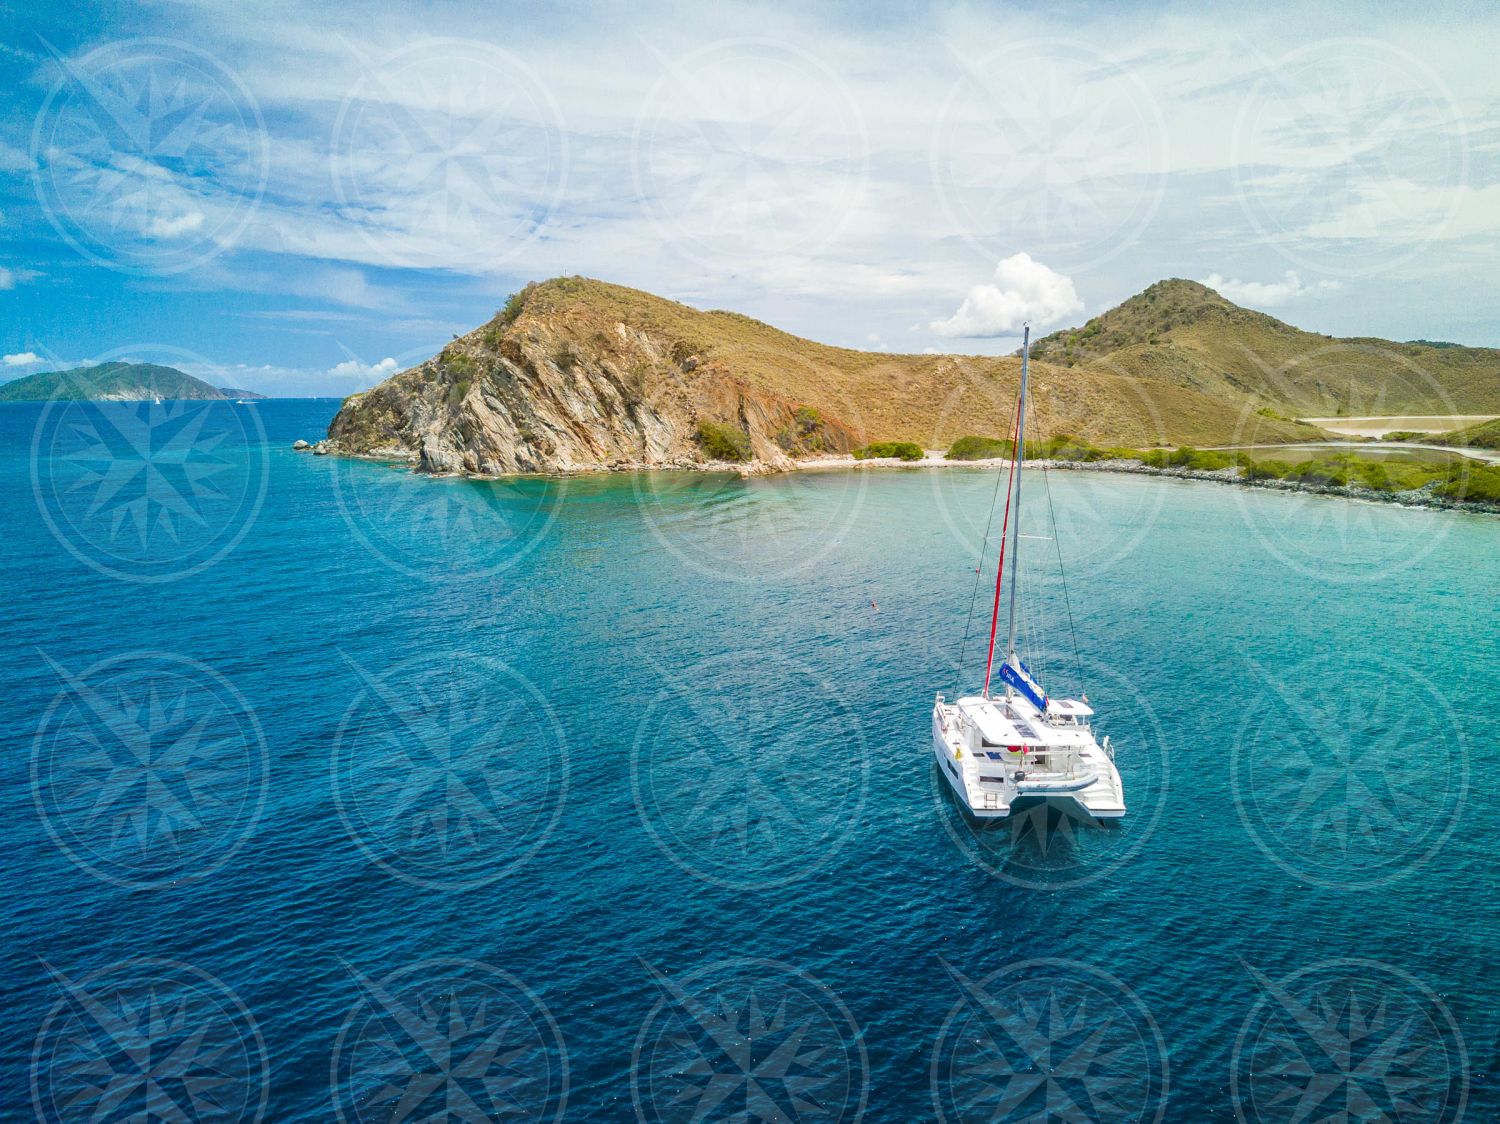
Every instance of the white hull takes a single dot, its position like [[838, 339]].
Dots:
[[1062, 767]]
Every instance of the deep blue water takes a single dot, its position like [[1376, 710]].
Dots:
[[609, 796]]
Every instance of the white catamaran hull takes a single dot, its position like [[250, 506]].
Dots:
[[987, 786], [1022, 748]]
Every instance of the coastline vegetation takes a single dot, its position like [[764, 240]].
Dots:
[[901, 450], [723, 442], [974, 448], [1457, 480]]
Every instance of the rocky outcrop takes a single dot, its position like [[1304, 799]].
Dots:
[[576, 375], [554, 387]]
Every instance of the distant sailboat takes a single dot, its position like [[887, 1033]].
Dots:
[[1020, 746]]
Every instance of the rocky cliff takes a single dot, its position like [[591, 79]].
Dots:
[[579, 375], [557, 384]]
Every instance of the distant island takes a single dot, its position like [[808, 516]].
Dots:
[[577, 375], [116, 382]]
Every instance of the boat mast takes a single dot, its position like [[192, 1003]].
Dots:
[[1020, 454]]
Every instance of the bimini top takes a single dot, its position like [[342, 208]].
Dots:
[[1069, 708], [993, 726]]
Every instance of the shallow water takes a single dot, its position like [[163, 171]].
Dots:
[[613, 795]]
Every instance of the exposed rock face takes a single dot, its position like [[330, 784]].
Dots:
[[543, 388], [577, 375]]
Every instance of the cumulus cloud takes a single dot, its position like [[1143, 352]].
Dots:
[[1023, 289], [161, 226], [354, 370], [22, 359], [1267, 294], [10, 278]]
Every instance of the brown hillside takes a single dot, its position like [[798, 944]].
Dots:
[[1185, 334], [579, 374]]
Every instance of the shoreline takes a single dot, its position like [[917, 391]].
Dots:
[[1233, 476]]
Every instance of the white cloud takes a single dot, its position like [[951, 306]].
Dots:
[[1024, 290], [1268, 294], [10, 278], [12, 159], [22, 359], [174, 227], [356, 371]]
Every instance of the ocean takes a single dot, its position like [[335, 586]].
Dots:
[[331, 792]]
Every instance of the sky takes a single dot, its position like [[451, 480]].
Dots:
[[304, 198]]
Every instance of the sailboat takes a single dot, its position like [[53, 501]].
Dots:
[[1017, 747]]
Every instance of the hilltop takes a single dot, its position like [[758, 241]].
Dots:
[[112, 382], [1185, 334], [576, 374]]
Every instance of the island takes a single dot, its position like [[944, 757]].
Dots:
[[117, 382]]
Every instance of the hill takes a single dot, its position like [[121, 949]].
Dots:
[[1485, 435], [114, 382], [576, 374], [1185, 334]]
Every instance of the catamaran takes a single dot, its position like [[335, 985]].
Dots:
[[1019, 748]]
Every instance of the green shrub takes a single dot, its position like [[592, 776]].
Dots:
[[514, 304], [901, 450], [1370, 474], [1064, 447], [1199, 460], [978, 449], [723, 442], [1267, 470], [457, 363], [1472, 482], [1322, 473], [804, 434]]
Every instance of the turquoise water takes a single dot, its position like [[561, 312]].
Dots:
[[614, 796]]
